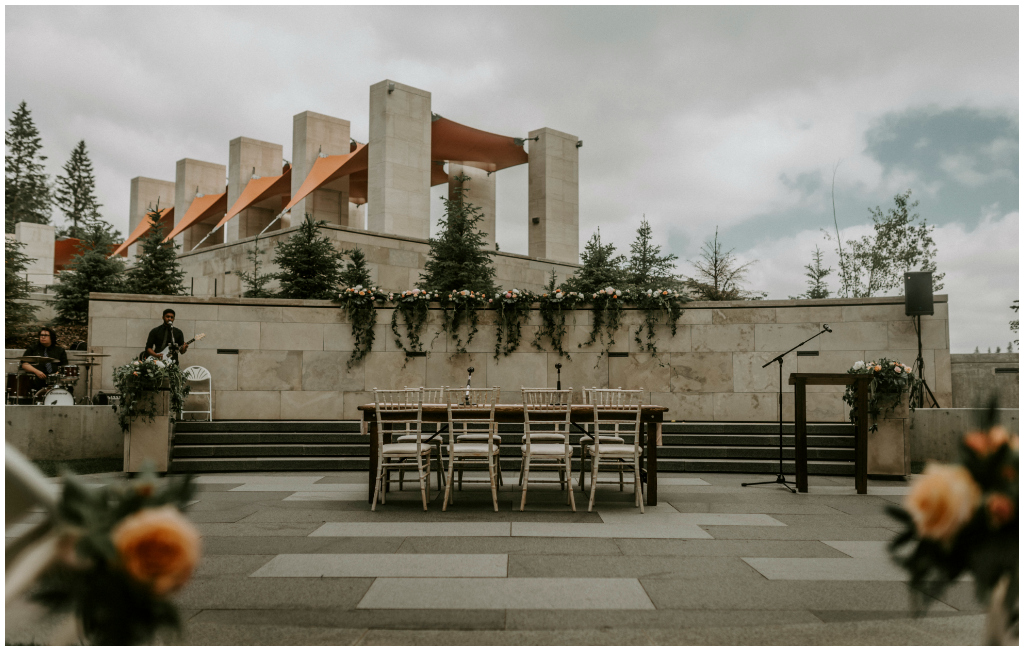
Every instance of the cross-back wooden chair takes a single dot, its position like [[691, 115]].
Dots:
[[611, 435], [471, 414], [541, 408], [431, 396], [618, 408], [401, 410]]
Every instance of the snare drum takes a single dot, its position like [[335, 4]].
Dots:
[[58, 398], [69, 372]]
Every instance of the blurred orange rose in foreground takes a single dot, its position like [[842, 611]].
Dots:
[[985, 443], [159, 547], [942, 500]]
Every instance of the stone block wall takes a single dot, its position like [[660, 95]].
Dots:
[[291, 360], [979, 377]]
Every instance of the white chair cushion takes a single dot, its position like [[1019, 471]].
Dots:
[[411, 438], [547, 436], [609, 438], [476, 437], [614, 450], [404, 450], [475, 449], [547, 450]]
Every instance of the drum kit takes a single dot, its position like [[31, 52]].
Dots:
[[60, 386]]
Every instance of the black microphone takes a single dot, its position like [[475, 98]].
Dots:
[[826, 328]]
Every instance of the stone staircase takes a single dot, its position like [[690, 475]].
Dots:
[[248, 446]]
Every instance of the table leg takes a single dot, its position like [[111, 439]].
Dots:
[[371, 429], [860, 466], [652, 464], [800, 432]]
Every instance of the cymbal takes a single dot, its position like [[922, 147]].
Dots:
[[35, 359], [87, 364], [84, 354]]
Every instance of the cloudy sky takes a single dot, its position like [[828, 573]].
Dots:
[[704, 117]]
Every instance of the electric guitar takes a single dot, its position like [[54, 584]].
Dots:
[[171, 347]]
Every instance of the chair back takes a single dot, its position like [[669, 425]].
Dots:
[[620, 409], [196, 374], [471, 411], [543, 407], [399, 411], [431, 395]]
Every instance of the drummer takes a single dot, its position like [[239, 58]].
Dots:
[[46, 347]]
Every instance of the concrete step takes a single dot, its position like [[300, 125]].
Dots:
[[243, 438], [754, 466], [270, 450], [270, 464], [736, 452], [754, 428], [190, 426], [768, 440]]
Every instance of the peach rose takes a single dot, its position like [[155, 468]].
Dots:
[[942, 500], [1000, 509], [897, 369], [158, 546], [878, 367], [985, 443]]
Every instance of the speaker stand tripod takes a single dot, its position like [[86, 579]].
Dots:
[[918, 400]]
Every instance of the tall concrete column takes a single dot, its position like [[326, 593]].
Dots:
[[554, 196], [314, 134], [480, 191], [191, 178], [39, 246], [248, 159], [146, 194], [399, 167]]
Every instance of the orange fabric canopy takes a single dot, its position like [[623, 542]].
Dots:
[[201, 208], [330, 168], [146, 225], [259, 190], [451, 141]]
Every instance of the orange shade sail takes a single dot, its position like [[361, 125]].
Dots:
[[201, 208], [259, 190], [451, 141], [330, 168], [166, 221]]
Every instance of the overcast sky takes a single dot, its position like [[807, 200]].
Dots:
[[697, 118]]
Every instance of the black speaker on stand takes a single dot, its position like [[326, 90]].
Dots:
[[918, 300]]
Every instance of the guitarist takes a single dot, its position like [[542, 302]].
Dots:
[[165, 335]]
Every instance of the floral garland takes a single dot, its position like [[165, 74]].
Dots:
[[654, 304], [138, 382], [460, 308], [358, 303], [413, 305], [552, 313], [889, 381], [512, 307], [606, 315]]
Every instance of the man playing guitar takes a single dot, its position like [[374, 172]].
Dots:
[[166, 336]]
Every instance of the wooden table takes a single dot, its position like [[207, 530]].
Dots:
[[651, 415], [860, 464]]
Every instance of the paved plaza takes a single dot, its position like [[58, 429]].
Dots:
[[293, 558]]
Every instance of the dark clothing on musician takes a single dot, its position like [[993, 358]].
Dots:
[[163, 335], [38, 350]]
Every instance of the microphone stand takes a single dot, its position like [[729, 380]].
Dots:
[[781, 478]]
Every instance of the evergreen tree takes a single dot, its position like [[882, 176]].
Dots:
[[156, 269], [458, 257], [256, 283], [552, 285], [76, 192], [26, 186], [310, 266], [817, 287], [92, 269], [17, 313], [718, 276], [356, 272], [648, 269], [601, 268]]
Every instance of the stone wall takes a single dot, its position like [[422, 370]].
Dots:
[[395, 262], [281, 359], [935, 433], [978, 377], [64, 433]]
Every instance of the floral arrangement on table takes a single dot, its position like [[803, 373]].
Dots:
[[964, 517], [358, 303], [413, 305], [513, 308], [553, 308], [656, 303], [460, 308], [124, 550], [890, 379], [138, 382]]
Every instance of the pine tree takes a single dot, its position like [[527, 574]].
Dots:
[[27, 195], [76, 192], [601, 268], [718, 276], [648, 269], [356, 272], [256, 283], [17, 313], [817, 287], [156, 269], [310, 265], [458, 257], [92, 269]]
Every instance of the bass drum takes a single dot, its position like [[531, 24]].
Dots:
[[58, 398]]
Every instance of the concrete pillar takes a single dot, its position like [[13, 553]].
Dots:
[[313, 134], [195, 177], [357, 215], [39, 242], [244, 156], [554, 193], [146, 194], [399, 166], [479, 191]]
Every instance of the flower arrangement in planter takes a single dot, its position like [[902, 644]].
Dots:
[[460, 308], [124, 549], [359, 303], [890, 380], [553, 308], [656, 303], [138, 382], [413, 305], [512, 307], [964, 518]]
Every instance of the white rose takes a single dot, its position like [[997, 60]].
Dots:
[[618, 292], [358, 287], [858, 366], [415, 292]]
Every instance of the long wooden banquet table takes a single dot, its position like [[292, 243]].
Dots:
[[651, 415]]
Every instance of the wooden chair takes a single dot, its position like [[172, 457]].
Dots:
[[471, 414], [401, 410], [618, 408], [543, 407], [431, 396], [587, 439]]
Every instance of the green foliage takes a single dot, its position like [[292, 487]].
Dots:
[[356, 271], [554, 307], [718, 276], [460, 309], [255, 283], [656, 304], [875, 264], [1015, 323], [605, 316], [512, 308], [601, 268], [156, 269], [310, 266], [27, 195], [817, 286], [138, 382], [648, 269], [888, 384], [75, 192], [359, 305], [92, 269], [458, 258], [413, 306], [17, 313]]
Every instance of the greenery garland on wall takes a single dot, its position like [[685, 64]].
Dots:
[[553, 308], [512, 307], [137, 380], [460, 308], [606, 315], [413, 306], [358, 303], [656, 303]]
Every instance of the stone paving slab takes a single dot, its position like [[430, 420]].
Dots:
[[686, 567], [510, 593], [385, 565]]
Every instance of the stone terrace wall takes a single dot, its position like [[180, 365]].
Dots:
[[395, 262], [976, 382], [291, 361]]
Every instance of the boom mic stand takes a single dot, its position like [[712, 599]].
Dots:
[[781, 478]]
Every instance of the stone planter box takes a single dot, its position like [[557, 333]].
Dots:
[[889, 445], [150, 441]]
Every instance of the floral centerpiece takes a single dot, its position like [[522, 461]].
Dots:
[[964, 518], [553, 306], [413, 306], [138, 382], [890, 379], [460, 308], [125, 549], [358, 303], [512, 307]]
